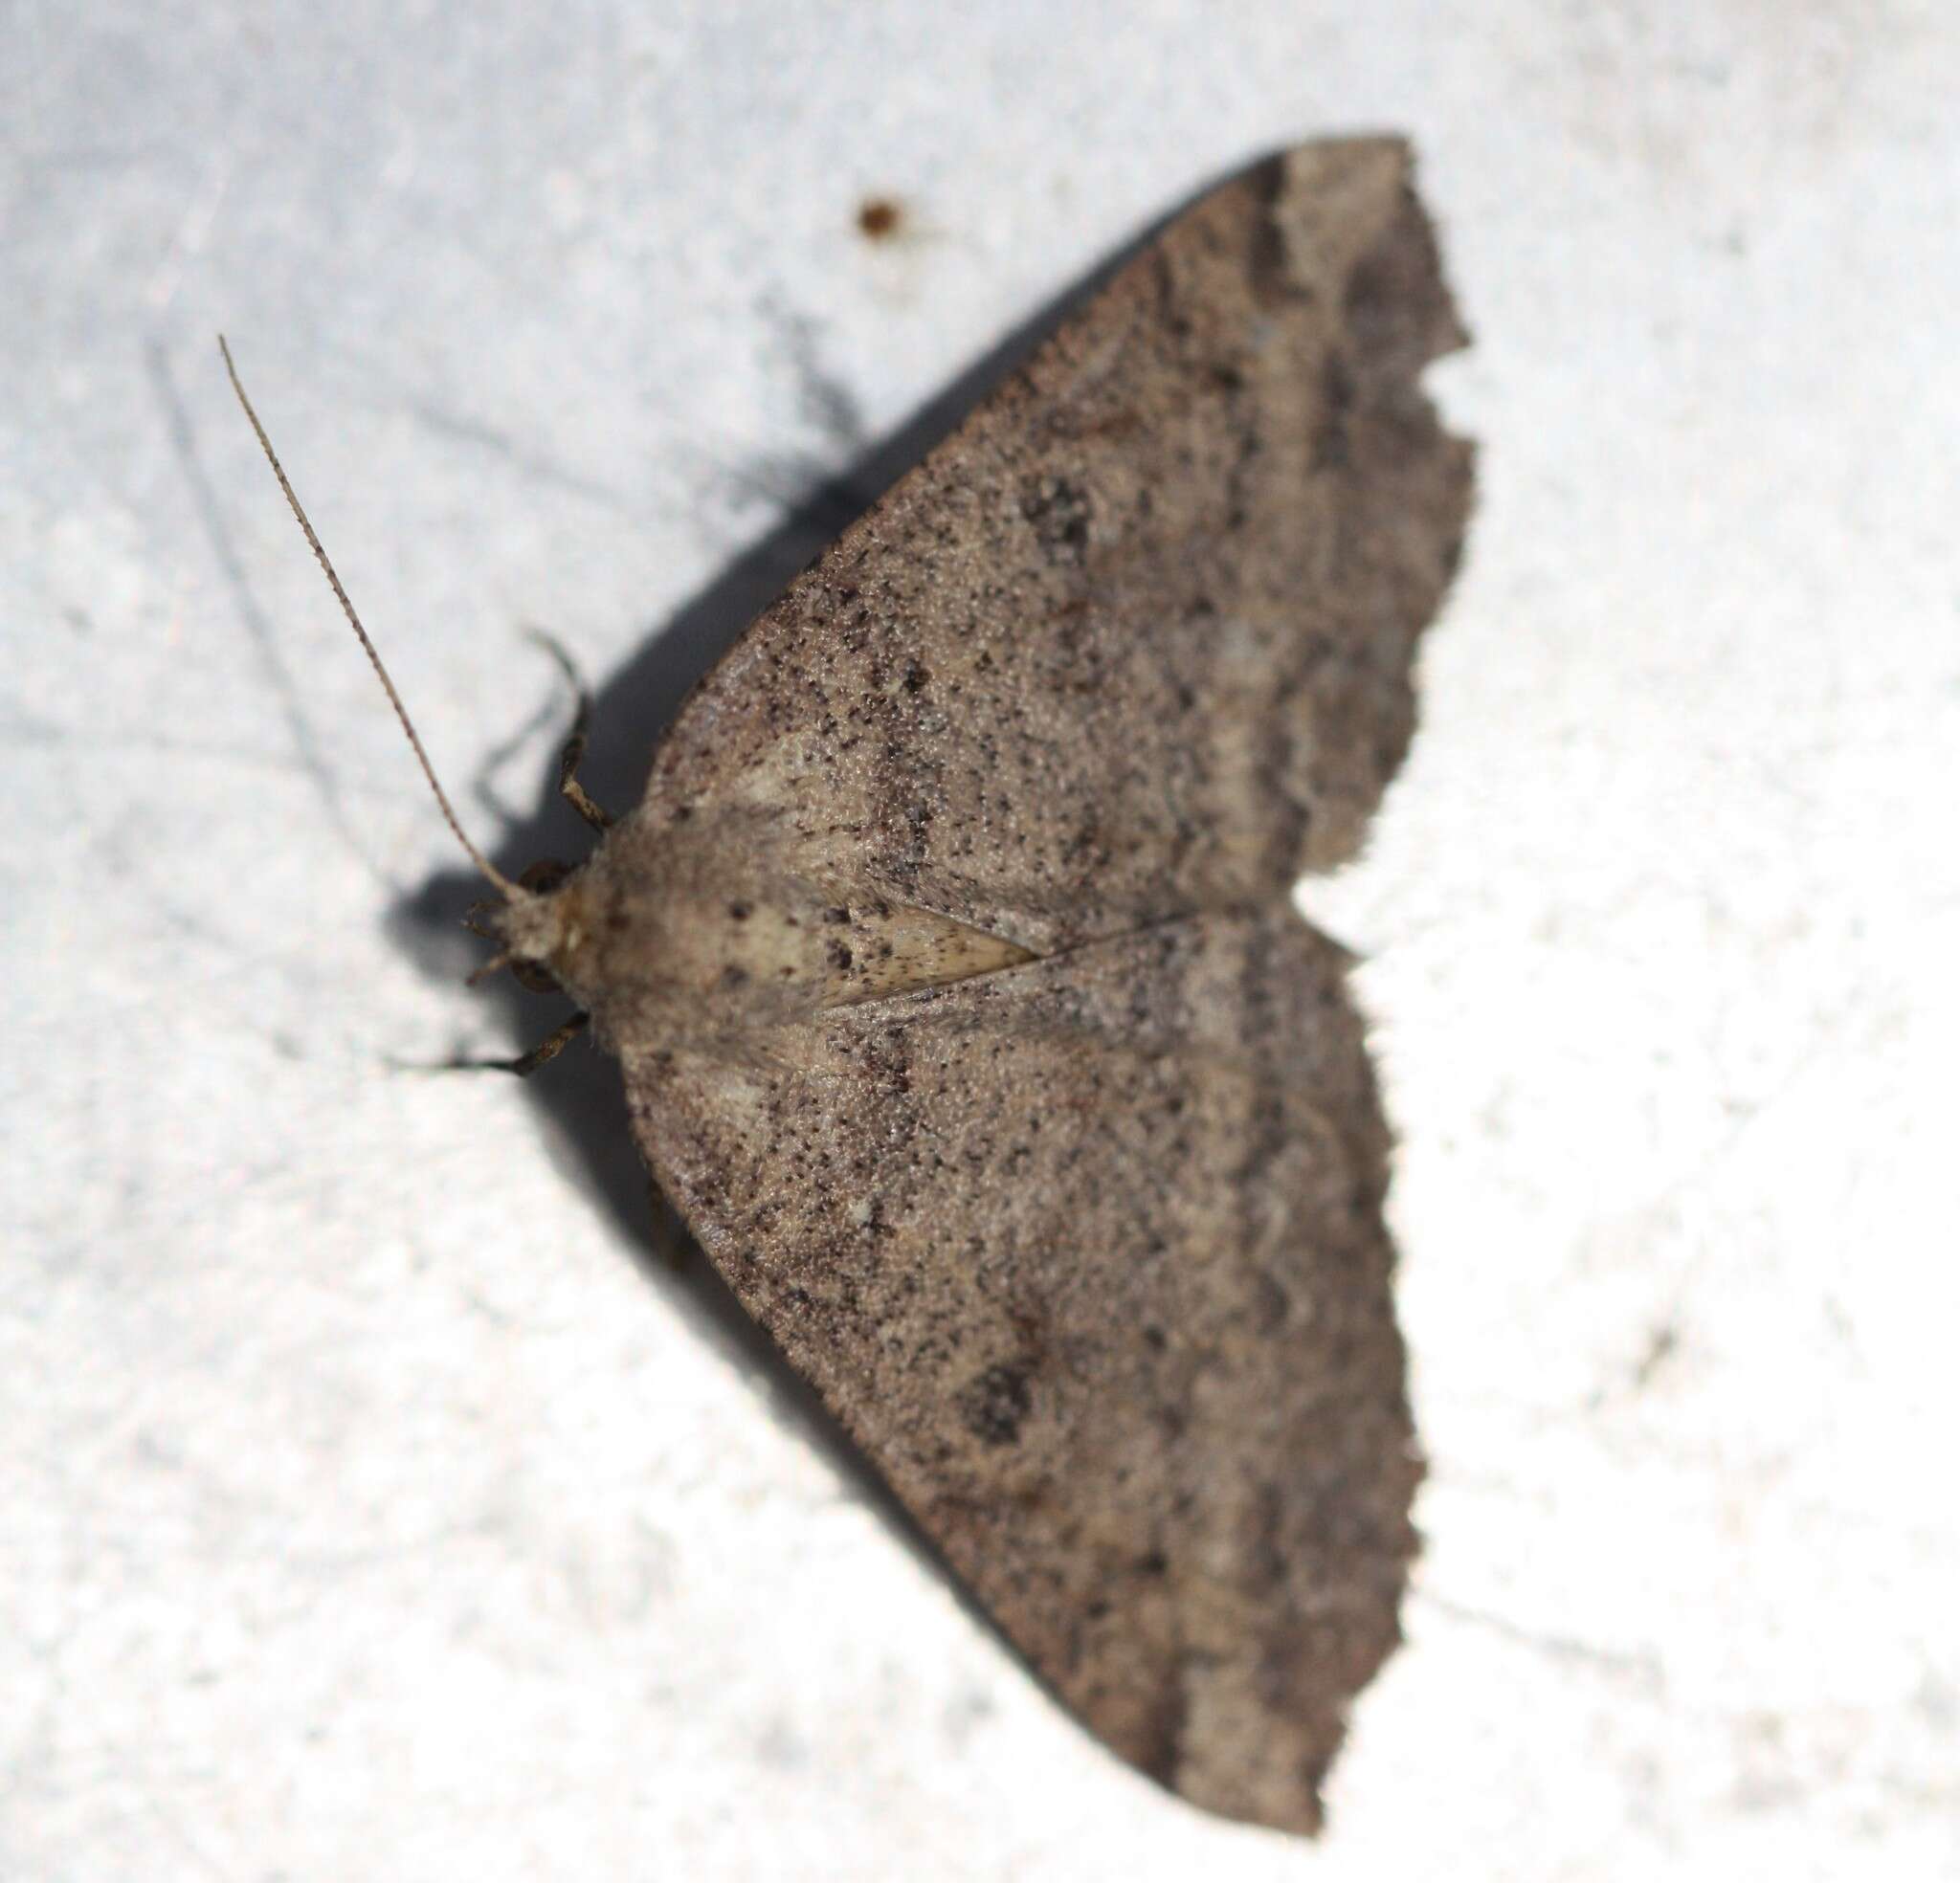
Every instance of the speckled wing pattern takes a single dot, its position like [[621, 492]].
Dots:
[[1137, 639], [1087, 1252]]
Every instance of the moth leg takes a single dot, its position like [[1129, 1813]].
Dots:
[[523, 1065], [544, 1053], [573, 755]]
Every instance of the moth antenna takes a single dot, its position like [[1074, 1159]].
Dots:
[[490, 870]]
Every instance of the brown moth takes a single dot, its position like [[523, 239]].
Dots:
[[966, 1019]]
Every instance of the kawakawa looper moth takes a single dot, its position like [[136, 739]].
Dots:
[[964, 1014]]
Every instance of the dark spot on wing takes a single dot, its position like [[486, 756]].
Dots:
[[1059, 511], [995, 1403]]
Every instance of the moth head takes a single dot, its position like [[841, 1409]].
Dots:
[[528, 928], [541, 928]]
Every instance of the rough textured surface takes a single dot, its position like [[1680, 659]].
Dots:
[[1087, 1253]]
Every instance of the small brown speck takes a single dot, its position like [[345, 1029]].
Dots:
[[878, 218]]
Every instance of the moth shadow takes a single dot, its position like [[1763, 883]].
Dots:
[[580, 1094]]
